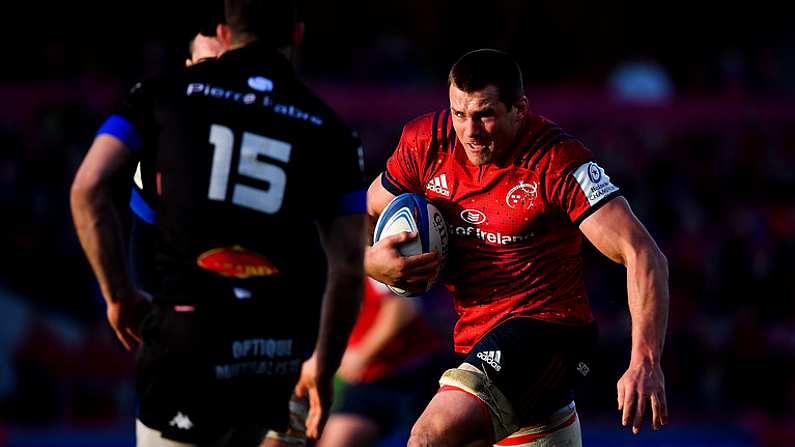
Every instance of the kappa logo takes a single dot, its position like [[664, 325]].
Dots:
[[438, 185], [583, 369], [492, 358], [522, 195], [181, 421]]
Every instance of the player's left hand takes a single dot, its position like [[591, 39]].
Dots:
[[320, 392], [641, 384]]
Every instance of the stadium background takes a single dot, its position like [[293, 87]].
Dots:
[[689, 106]]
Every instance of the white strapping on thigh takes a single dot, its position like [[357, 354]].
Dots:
[[473, 381], [561, 429]]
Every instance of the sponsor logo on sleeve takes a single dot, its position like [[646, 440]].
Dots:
[[593, 181]]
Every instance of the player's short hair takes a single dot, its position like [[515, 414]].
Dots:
[[271, 23], [480, 68], [203, 18]]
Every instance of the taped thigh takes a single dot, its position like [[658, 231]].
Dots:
[[475, 382], [561, 429]]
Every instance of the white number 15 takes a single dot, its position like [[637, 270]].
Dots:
[[252, 145]]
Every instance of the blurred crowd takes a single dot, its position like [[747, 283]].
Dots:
[[717, 197]]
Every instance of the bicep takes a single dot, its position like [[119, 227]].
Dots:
[[616, 232]]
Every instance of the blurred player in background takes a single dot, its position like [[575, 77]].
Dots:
[[203, 44], [518, 193], [395, 353], [233, 147]]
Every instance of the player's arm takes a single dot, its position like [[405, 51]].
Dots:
[[394, 314], [343, 239], [96, 219], [619, 235], [383, 261]]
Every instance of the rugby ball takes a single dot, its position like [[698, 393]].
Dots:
[[413, 213]]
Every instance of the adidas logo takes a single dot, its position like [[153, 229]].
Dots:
[[439, 185], [492, 358], [182, 421]]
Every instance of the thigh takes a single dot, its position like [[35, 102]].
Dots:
[[453, 418], [349, 430]]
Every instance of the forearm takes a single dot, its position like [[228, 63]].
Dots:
[[647, 293], [338, 314], [395, 314], [100, 232]]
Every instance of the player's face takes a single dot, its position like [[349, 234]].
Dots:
[[204, 47], [485, 126]]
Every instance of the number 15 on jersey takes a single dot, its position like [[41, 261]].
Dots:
[[252, 146]]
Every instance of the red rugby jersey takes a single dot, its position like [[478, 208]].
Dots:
[[513, 223]]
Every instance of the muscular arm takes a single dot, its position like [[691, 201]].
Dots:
[[383, 262], [377, 199], [343, 239], [96, 219], [616, 232]]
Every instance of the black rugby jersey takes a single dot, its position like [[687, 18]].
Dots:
[[240, 159]]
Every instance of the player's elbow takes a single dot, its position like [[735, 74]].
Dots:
[[87, 191], [647, 254], [81, 192], [660, 262]]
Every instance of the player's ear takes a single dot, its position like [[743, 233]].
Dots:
[[521, 108], [188, 62], [224, 35]]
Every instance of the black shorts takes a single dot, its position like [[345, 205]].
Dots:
[[210, 374], [535, 364]]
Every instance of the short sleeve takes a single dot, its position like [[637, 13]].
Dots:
[[132, 121], [403, 167], [578, 185], [347, 189]]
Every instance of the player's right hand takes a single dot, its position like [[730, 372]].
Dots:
[[320, 392], [384, 263], [125, 316]]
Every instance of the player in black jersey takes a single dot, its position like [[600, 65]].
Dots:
[[247, 162]]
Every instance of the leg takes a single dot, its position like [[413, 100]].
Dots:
[[561, 429], [349, 430], [147, 437], [453, 418]]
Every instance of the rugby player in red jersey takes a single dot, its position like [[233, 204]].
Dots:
[[518, 193]]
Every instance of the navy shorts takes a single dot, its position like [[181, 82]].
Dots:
[[219, 376], [535, 364]]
